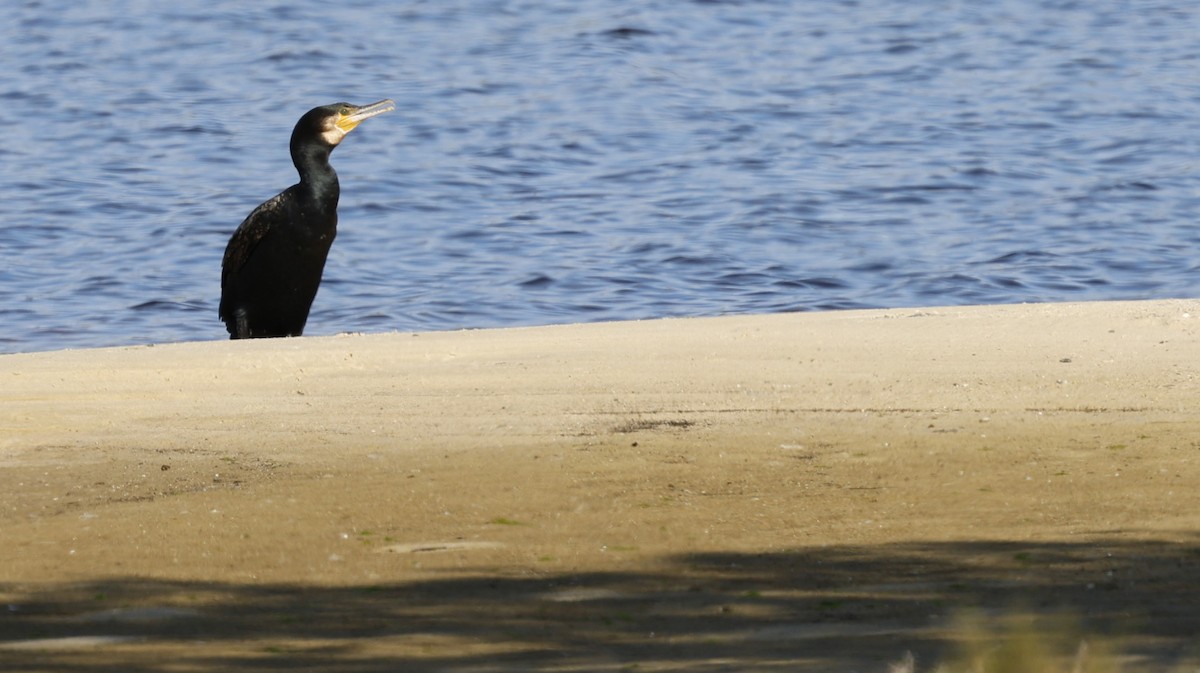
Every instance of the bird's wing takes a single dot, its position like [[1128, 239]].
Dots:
[[249, 233]]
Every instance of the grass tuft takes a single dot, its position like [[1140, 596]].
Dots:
[[1021, 644]]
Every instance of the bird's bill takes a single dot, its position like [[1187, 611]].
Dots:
[[357, 115]]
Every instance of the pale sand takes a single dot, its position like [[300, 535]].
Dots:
[[817, 491]]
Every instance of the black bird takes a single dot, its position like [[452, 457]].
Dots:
[[273, 262]]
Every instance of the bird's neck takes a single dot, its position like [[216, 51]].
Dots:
[[318, 180]]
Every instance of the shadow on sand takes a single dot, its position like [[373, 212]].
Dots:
[[835, 608]]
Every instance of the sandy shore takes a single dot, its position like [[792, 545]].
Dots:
[[766, 493]]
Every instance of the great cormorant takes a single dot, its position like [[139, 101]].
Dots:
[[273, 262]]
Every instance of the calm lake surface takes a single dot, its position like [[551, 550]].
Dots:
[[567, 161]]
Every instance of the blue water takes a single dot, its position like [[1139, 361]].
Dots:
[[567, 161]]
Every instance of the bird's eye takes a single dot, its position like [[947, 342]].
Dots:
[[344, 111]]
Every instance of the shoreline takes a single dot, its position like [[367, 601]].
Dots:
[[823, 489]]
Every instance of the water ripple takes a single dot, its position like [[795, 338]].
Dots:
[[599, 161]]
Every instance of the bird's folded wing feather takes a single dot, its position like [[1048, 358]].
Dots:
[[249, 233]]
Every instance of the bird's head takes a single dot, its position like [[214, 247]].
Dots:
[[331, 123]]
